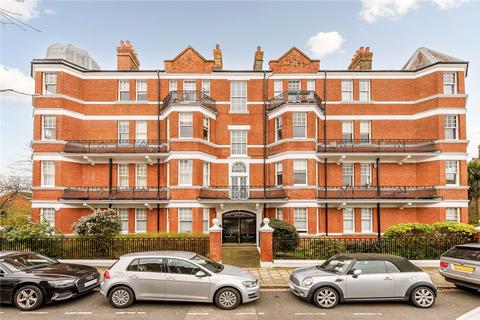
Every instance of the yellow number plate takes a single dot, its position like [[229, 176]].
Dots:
[[463, 268]]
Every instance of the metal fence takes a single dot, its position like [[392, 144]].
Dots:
[[323, 248], [95, 248]]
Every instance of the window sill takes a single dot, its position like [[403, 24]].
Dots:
[[238, 112]]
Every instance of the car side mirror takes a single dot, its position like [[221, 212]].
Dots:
[[201, 274], [356, 273]]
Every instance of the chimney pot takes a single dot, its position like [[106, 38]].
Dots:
[[217, 58], [127, 57], [217, 46], [258, 59]]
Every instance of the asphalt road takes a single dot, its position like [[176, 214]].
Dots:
[[274, 304]]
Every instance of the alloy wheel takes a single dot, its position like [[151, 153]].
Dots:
[[326, 298], [27, 298], [227, 299], [120, 297], [424, 297]]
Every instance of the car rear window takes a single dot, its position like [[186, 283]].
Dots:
[[472, 254]]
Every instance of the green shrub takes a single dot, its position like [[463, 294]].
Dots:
[[28, 230], [102, 223], [318, 248], [455, 230], [285, 233], [408, 231]]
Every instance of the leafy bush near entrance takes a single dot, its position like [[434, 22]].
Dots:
[[102, 223], [286, 232], [408, 231], [443, 230]]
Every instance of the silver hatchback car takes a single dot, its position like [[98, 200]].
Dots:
[[363, 277], [177, 276]]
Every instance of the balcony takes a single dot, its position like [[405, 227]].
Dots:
[[377, 145], [116, 193], [295, 98], [189, 98], [372, 193], [116, 146], [242, 193]]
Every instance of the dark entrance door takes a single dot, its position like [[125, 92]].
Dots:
[[239, 227]]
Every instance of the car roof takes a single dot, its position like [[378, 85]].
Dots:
[[176, 254], [403, 264], [5, 254], [472, 245]]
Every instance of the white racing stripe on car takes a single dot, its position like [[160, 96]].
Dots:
[[367, 313]]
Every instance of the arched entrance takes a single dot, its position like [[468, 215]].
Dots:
[[239, 227]]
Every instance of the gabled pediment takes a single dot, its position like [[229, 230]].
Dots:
[[189, 61], [294, 61]]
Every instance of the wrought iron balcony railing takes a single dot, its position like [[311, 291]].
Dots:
[[116, 193], [377, 145], [384, 192], [116, 146], [242, 193], [188, 98], [296, 97]]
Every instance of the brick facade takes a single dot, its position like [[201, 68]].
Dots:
[[103, 156]]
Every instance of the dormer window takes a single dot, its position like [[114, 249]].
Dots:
[[50, 83]]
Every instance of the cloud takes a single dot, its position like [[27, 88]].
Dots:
[[448, 4], [372, 10], [15, 79], [325, 43], [22, 10], [49, 11]]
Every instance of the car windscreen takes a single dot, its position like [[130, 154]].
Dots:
[[472, 254], [335, 264], [207, 263], [27, 261]]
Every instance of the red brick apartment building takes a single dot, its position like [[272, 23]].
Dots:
[[333, 152]]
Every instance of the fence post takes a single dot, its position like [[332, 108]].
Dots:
[[266, 244], [215, 235]]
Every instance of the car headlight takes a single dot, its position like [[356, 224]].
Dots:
[[307, 281], [250, 284], [61, 283]]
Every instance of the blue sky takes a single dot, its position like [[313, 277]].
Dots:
[[159, 30]]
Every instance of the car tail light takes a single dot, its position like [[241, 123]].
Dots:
[[106, 275], [443, 264]]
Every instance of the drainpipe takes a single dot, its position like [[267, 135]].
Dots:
[[378, 196], [325, 147], [265, 95], [158, 147]]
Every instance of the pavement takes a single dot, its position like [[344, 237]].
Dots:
[[274, 304]]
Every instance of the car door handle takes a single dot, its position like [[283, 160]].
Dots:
[[388, 278], [170, 278], [134, 277]]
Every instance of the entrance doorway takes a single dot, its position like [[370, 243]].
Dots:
[[239, 227]]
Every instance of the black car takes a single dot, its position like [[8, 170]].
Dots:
[[30, 280]]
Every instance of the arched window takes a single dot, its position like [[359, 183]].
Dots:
[[239, 167]]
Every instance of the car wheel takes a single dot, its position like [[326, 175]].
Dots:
[[28, 298], [325, 298], [423, 297], [227, 298], [121, 297]]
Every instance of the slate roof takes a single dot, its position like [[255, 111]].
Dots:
[[424, 57]]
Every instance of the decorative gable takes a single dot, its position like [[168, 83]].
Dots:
[[189, 61], [294, 61]]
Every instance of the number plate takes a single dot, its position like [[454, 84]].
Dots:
[[89, 283], [463, 268]]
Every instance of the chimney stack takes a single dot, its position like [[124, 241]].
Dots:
[[258, 60], [362, 60], [127, 57], [217, 58]]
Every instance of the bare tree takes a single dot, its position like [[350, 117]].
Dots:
[[15, 184]]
